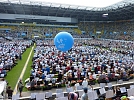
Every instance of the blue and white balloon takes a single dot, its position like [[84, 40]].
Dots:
[[63, 41]]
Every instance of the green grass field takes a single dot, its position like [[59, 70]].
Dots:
[[28, 69], [14, 73]]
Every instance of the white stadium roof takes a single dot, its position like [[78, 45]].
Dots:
[[89, 3], [117, 10], [95, 5]]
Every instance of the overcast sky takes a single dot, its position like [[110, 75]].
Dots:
[[90, 3]]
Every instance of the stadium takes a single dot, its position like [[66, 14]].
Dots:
[[101, 59]]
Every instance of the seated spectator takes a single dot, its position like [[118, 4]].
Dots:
[[125, 76], [85, 83], [117, 92], [31, 77], [109, 75], [102, 78], [91, 79], [43, 76], [107, 79], [38, 87], [72, 96], [67, 84], [53, 81], [32, 86], [69, 77], [60, 76], [85, 95], [46, 83], [48, 69]]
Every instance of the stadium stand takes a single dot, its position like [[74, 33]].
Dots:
[[47, 32], [113, 30]]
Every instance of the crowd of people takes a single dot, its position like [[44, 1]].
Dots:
[[90, 61], [97, 61], [10, 52], [31, 31], [113, 30]]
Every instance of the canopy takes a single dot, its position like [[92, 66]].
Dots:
[[2, 86]]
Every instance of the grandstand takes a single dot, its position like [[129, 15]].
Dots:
[[19, 16], [98, 31]]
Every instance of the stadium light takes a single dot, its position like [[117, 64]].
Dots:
[[105, 14]]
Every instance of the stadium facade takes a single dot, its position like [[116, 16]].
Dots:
[[17, 10], [17, 13]]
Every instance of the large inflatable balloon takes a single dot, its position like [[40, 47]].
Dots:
[[63, 41]]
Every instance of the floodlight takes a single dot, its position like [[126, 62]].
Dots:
[[105, 14]]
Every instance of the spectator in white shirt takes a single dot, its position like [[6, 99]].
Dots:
[[85, 83]]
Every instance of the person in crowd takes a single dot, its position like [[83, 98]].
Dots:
[[53, 81], [32, 85], [78, 73], [69, 77], [85, 95], [67, 84], [60, 76], [31, 77], [117, 92], [91, 79], [76, 85], [72, 96], [77, 63], [85, 83], [48, 69]]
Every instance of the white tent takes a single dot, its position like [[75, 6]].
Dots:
[[2, 86]]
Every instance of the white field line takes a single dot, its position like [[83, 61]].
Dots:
[[23, 71]]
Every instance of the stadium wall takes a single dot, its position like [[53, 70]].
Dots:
[[49, 18]]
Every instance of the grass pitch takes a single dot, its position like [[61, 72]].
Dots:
[[14, 73]]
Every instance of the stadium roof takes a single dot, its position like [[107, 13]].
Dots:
[[96, 6], [123, 10], [88, 3]]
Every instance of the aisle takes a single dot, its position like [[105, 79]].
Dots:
[[23, 70]]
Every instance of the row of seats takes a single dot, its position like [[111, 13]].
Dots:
[[92, 94]]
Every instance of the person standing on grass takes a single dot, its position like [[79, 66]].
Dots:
[[20, 87]]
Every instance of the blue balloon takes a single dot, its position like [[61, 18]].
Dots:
[[63, 41]]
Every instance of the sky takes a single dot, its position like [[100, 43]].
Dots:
[[89, 3]]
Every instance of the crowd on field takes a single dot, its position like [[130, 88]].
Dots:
[[96, 60]]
